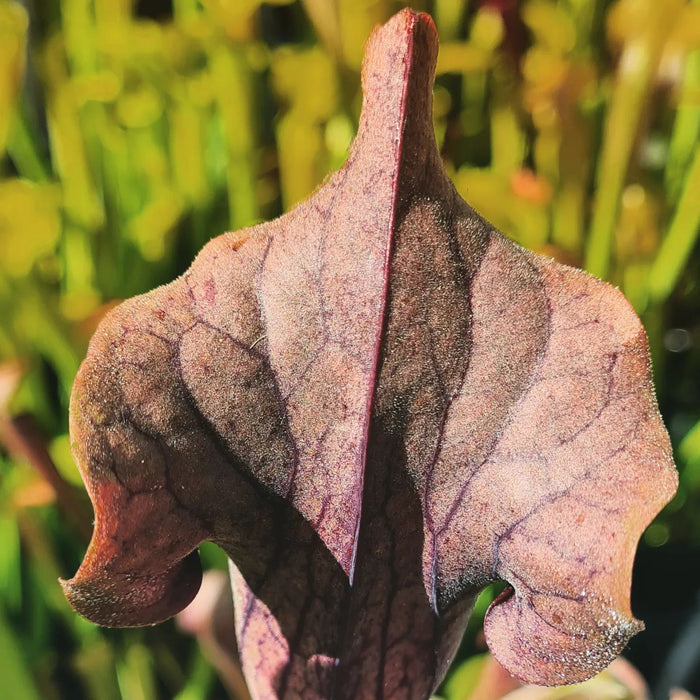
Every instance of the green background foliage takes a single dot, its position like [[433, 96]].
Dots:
[[133, 132]]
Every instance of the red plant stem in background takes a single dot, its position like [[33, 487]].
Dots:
[[515, 39], [23, 440]]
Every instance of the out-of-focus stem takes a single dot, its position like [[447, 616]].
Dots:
[[69, 155], [325, 16], [234, 91], [46, 331], [135, 675], [583, 12], [79, 34], [199, 680], [686, 127], [23, 150], [568, 214], [17, 681], [448, 17], [95, 664], [638, 64], [680, 239]]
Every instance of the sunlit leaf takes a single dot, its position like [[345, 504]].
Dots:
[[377, 405]]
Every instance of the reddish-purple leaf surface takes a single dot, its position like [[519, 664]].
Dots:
[[377, 405]]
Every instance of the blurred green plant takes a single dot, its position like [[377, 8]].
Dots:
[[131, 133]]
